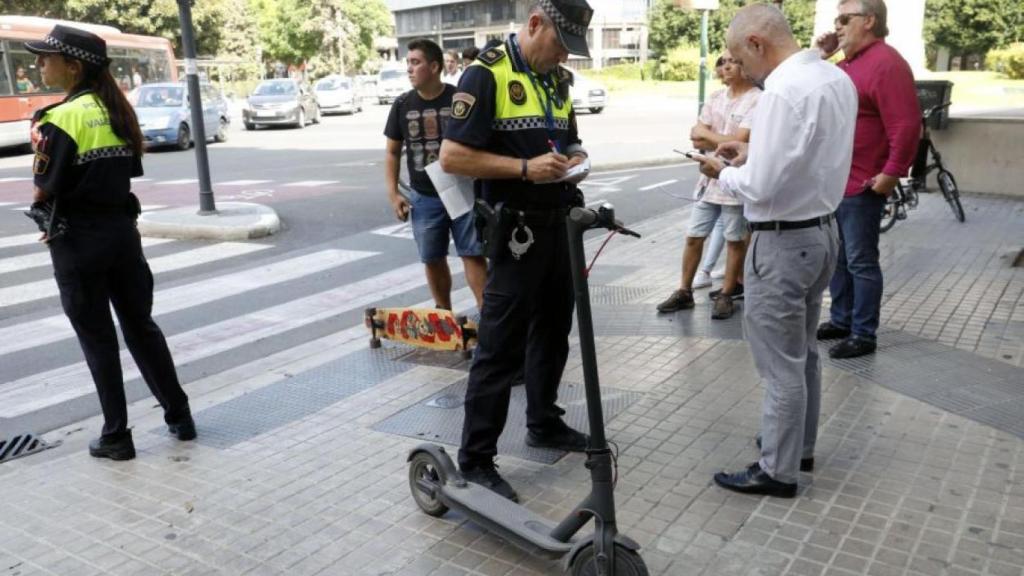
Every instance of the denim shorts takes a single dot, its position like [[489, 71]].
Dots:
[[705, 214], [432, 229]]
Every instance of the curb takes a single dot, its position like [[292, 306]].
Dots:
[[667, 161], [232, 221]]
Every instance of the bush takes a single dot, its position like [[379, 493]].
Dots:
[[682, 63], [1009, 61]]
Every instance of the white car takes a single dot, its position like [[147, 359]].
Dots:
[[337, 94], [587, 94], [392, 83]]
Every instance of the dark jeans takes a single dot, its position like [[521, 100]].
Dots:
[[856, 286], [526, 319], [99, 263]]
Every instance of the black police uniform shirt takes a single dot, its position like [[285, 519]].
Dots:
[[475, 128], [84, 182], [420, 124]]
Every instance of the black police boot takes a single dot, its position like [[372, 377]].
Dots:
[[115, 447], [559, 437], [184, 430], [753, 480], [487, 476]]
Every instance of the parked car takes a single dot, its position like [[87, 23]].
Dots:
[[587, 94], [166, 118], [281, 101], [392, 83], [338, 94]]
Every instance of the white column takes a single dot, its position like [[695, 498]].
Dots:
[[597, 49], [906, 27]]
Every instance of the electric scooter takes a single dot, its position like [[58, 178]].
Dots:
[[437, 485]]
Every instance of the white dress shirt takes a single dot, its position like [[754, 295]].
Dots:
[[801, 143]]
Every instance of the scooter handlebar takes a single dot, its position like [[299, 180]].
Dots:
[[603, 217]]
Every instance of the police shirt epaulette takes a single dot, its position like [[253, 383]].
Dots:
[[491, 56]]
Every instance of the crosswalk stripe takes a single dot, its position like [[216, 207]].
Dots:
[[38, 391], [36, 259], [657, 185], [55, 328], [311, 183], [15, 179], [46, 288], [19, 240], [181, 181], [19, 208], [2, 204], [242, 182]]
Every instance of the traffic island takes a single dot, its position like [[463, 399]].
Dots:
[[232, 221]]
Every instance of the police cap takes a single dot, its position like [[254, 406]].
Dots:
[[72, 42], [571, 18]]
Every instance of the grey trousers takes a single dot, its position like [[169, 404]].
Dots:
[[785, 274]]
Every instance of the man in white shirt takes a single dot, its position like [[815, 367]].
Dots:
[[451, 73], [791, 179]]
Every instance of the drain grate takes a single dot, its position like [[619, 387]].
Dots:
[[23, 445]]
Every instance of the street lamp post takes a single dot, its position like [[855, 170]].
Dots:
[[188, 41]]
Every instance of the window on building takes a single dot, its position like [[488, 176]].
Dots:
[[610, 39]]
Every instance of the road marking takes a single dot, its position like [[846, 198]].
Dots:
[[403, 230], [14, 179], [242, 182], [55, 328], [38, 391], [142, 179], [5, 203], [311, 183], [151, 207], [658, 185], [36, 259], [22, 208], [182, 181], [19, 240], [41, 289]]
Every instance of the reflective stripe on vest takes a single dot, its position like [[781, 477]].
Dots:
[[510, 116], [85, 120]]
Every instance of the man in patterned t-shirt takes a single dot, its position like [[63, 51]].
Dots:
[[418, 119]]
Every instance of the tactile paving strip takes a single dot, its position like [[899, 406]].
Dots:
[[439, 418], [302, 395]]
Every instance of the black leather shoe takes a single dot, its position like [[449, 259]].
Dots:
[[753, 480], [118, 447], [563, 438], [184, 430], [829, 331], [852, 347], [806, 464], [488, 477]]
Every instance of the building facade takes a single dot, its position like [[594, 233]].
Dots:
[[618, 30]]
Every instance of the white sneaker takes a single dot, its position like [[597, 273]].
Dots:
[[718, 274], [701, 280]]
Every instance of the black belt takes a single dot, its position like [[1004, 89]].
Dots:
[[784, 225]]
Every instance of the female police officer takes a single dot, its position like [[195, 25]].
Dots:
[[88, 147]]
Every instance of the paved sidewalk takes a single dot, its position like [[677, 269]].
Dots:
[[920, 463]]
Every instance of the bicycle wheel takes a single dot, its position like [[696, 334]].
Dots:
[[951, 193], [889, 211]]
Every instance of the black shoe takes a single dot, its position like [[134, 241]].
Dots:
[[679, 300], [806, 464], [118, 447], [184, 430], [852, 347], [829, 331], [753, 480], [488, 477], [737, 292], [561, 438]]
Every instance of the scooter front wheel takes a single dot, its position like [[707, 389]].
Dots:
[[627, 562], [424, 469]]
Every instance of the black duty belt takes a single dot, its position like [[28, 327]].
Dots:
[[778, 225], [546, 218]]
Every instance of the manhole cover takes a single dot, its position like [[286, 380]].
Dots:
[[447, 401]]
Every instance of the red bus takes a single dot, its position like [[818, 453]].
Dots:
[[134, 60]]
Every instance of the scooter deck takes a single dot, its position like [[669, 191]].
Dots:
[[503, 516]]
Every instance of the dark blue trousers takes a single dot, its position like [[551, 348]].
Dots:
[[856, 285]]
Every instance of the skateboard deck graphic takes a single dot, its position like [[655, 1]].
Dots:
[[432, 328]]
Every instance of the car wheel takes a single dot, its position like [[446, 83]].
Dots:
[[249, 126], [596, 110], [316, 115], [301, 122], [222, 131], [184, 137]]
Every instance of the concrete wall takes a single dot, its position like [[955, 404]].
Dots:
[[984, 154]]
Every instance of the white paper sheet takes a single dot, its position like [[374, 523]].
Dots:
[[456, 192]]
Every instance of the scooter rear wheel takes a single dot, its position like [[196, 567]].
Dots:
[[627, 562], [424, 468]]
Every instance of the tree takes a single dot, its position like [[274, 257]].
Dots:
[[153, 18], [44, 8], [287, 30], [671, 26], [973, 26]]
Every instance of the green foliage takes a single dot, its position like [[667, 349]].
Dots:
[[286, 30], [349, 28], [153, 18], [670, 26], [44, 8], [973, 26], [682, 63], [1008, 61]]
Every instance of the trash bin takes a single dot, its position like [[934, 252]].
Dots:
[[931, 93]]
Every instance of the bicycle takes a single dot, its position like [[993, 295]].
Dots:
[[903, 199]]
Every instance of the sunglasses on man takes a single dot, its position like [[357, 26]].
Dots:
[[844, 19]]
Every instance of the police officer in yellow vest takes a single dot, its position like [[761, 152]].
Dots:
[[512, 128], [88, 147]]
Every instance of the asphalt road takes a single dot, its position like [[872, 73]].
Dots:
[[226, 304]]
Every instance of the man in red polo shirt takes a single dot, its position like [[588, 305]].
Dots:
[[884, 145]]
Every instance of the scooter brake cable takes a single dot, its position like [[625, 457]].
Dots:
[[603, 244]]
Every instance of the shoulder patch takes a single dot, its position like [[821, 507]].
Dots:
[[40, 163], [491, 56], [462, 104], [517, 92]]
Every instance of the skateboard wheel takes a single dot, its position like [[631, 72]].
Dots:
[[374, 343]]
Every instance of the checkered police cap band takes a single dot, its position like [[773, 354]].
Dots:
[[560, 20], [75, 52]]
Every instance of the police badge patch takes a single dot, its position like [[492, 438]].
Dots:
[[517, 92], [41, 163], [462, 104]]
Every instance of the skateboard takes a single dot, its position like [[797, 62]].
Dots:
[[432, 328]]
